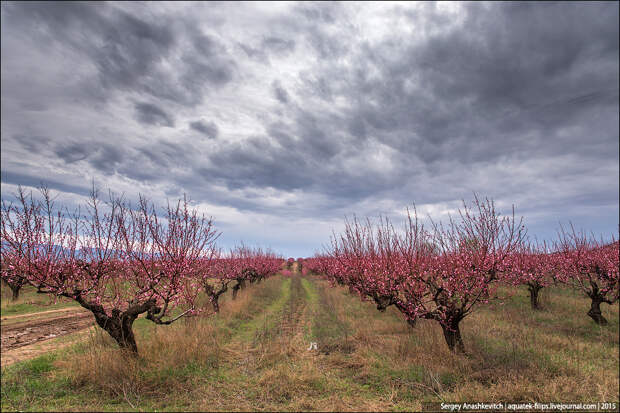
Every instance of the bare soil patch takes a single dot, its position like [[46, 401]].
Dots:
[[41, 347], [25, 333]]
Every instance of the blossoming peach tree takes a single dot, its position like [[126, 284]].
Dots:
[[114, 260], [441, 274], [534, 266], [590, 266]]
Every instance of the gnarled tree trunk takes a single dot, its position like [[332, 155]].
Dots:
[[452, 334], [451, 331], [215, 295], [120, 324], [15, 287], [15, 292], [120, 328], [215, 304], [595, 307], [595, 310], [534, 289], [383, 301], [239, 286]]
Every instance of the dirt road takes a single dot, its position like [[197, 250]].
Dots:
[[24, 337], [39, 314]]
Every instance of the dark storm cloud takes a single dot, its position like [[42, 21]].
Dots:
[[208, 63], [129, 51], [103, 157], [279, 92], [254, 53], [357, 127], [106, 158], [150, 114], [257, 162], [123, 47], [507, 80], [270, 46], [319, 21], [208, 129], [159, 161], [28, 180], [509, 70], [511, 82], [319, 12], [299, 157], [73, 152], [316, 143]]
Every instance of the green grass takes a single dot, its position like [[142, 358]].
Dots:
[[248, 330], [28, 383], [327, 328], [30, 301]]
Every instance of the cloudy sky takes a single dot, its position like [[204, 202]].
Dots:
[[279, 119]]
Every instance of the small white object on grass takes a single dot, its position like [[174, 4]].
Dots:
[[313, 346]]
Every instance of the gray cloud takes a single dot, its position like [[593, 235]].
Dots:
[[279, 92], [208, 129], [106, 158], [33, 144], [130, 51], [73, 152], [278, 45], [151, 114]]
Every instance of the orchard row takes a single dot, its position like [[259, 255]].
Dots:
[[443, 272], [121, 261]]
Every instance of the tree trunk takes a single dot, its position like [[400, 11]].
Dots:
[[240, 285], [215, 295], [452, 334], [534, 289], [120, 327], [128, 340], [15, 291], [595, 311], [383, 301]]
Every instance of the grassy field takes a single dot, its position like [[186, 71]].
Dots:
[[253, 356], [29, 301]]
